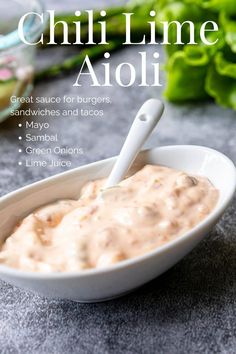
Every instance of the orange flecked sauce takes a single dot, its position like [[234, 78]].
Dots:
[[152, 207]]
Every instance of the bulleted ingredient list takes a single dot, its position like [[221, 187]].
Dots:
[[40, 143]]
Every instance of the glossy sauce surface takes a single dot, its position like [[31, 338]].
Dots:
[[152, 207]]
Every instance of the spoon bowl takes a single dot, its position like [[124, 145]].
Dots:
[[102, 284]]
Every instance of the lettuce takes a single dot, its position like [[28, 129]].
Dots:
[[228, 6], [228, 24], [225, 66], [186, 73], [197, 72], [201, 71], [221, 87]]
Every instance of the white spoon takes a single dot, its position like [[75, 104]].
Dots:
[[145, 121]]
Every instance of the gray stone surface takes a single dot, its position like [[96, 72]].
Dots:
[[189, 309]]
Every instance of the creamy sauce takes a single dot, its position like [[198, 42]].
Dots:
[[148, 209]]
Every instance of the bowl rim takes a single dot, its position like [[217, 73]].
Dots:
[[211, 218]]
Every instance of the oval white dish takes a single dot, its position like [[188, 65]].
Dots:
[[103, 284]]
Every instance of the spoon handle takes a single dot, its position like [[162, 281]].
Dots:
[[144, 123]]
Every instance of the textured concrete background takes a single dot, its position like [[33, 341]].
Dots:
[[189, 309]]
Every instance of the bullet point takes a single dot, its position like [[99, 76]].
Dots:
[[20, 150], [19, 125], [20, 163], [20, 138]]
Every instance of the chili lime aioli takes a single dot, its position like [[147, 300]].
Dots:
[[152, 207]]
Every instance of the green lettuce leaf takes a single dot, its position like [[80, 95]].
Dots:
[[196, 72], [228, 24], [224, 66], [186, 73], [221, 87], [228, 6]]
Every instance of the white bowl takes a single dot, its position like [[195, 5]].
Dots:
[[99, 285]]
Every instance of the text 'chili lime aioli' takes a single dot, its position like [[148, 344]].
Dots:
[[148, 209]]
